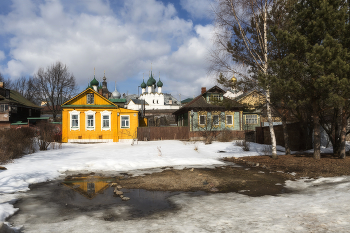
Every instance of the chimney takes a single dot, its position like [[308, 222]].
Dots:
[[204, 89], [1, 84]]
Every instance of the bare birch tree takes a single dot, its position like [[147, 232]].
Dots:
[[242, 39]]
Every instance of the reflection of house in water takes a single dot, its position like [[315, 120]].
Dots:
[[89, 187]]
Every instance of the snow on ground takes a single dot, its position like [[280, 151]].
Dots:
[[319, 205], [118, 157]]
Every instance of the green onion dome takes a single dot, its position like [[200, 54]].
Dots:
[[94, 82], [143, 84], [159, 83], [151, 81]]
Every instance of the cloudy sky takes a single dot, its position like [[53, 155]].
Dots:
[[121, 37]]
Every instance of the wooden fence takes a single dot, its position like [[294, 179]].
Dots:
[[298, 138], [163, 133], [183, 133]]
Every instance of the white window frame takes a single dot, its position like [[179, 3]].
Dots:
[[205, 118], [248, 121], [90, 113], [106, 113], [76, 113], [121, 121], [231, 119]]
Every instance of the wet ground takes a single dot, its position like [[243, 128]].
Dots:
[[93, 195]]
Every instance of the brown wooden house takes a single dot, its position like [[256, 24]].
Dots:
[[14, 108]]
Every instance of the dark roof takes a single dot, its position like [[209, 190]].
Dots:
[[185, 101], [138, 101], [200, 103], [17, 98]]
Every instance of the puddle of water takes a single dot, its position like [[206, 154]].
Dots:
[[92, 194]]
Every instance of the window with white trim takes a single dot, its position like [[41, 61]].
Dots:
[[124, 121], [216, 119], [229, 120], [106, 120], [202, 119], [74, 120], [251, 119], [90, 120]]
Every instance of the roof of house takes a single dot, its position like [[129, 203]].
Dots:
[[17, 98], [138, 101], [96, 93], [246, 94], [200, 103], [185, 101]]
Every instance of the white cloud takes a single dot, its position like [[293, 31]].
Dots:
[[198, 8], [122, 41]]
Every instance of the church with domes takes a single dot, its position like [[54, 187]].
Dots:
[[152, 97]]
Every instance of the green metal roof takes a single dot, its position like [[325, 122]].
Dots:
[[19, 123], [17, 98], [38, 118], [118, 100]]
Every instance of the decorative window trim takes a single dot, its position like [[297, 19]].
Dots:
[[89, 113], [121, 122], [245, 119], [71, 113], [199, 119], [106, 113], [232, 116]]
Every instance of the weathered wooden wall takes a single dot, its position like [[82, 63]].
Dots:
[[298, 139]]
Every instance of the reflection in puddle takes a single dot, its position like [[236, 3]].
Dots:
[[94, 193]]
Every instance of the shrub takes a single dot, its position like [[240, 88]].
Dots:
[[243, 144], [267, 150], [46, 135], [14, 143]]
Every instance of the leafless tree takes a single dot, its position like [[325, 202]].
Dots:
[[7, 82], [242, 39], [27, 88], [55, 85]]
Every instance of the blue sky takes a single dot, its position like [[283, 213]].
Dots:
[[119, 37]]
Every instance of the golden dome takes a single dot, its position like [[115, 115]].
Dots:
[[233, 79]]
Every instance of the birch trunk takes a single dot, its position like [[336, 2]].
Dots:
[[268, 101]]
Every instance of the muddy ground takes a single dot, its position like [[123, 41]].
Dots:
[[257, 176], [252, 181], [301, 165]]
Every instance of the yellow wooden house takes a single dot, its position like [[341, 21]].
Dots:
[[90, 117]]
